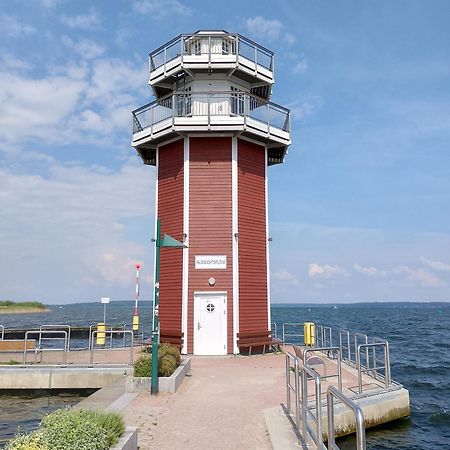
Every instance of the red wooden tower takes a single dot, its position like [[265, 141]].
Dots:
[[212, 133]]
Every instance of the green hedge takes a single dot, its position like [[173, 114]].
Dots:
[[67, 429], [169, 359]]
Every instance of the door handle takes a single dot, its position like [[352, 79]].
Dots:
[[198, 326]]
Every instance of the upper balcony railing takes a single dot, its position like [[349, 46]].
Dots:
[[203, 106], [211, 44]]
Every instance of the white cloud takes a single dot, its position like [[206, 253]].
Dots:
[[300, 110], [285, 276], [269, 30], [325, 271], [420, 276], [33, 106], [89, 21], [9, 61], [369, 271], [436, 265], [161, 8], [86, 48], [11, 27], [264, 28], [66, 230], [96, 95], [300, 67]]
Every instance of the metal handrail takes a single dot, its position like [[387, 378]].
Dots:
[[303, 412], [374, 370], [273, 326], [332, 393], [293, 389], [211, 104], [3, 332], [108, 327], [111, 332], [40, 349], [316, 435], [366, 341], [200, 44], [338, 361], [291, 335], [54, 327], [348, 347]]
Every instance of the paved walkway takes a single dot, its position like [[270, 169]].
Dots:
[[220, 406]]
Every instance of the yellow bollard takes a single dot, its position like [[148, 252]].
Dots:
[[135, 323], [101, 333], [309, 333]]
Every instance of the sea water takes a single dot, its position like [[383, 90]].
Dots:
[[418, 334]]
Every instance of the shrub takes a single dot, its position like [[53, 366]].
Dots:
[[32, 441], [111, 422], [167, 349], [168, 360], [167, 365], [71, 430], [143, 365], [67, 429]]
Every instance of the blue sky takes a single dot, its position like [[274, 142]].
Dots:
[[358, 212]]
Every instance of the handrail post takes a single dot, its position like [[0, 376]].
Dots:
[[358, 366], [387, 363], [330, 414], [317, 382], [297, 394], [288, 379], [304, 382]]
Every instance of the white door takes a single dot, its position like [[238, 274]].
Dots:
[[210, 324]]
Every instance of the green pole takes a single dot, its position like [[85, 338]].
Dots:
[[155, 331]]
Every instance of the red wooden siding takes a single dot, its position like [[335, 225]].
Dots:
[[253, 311], [210, 222], [170, 211]]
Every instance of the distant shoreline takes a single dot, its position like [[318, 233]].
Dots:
[[21, 310]]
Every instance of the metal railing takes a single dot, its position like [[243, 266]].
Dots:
[[332, 353], [111, 332], [211, 104], [41, 350], [274, 329], [373, 369], [210, 45], [293, 370], [51, 328], [323, 336], [333, 393], [307, 412], [344, 344], [293, 333], [311, 411]]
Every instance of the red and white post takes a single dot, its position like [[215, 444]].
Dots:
[[136, 310]]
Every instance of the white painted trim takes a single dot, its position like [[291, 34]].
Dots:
[[156, 219], [253, 141], [235, 229], [267, 238], [162, 144], [224, 337], [185, 288], [212, 134]]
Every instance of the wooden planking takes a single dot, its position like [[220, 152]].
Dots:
[[253, 309], [170, 211], [210, 222]]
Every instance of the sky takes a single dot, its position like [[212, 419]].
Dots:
[[359, 211]]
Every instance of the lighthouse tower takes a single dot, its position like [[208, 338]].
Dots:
[[212, 133]]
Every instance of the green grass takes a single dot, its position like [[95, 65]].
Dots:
[[11, 304]]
